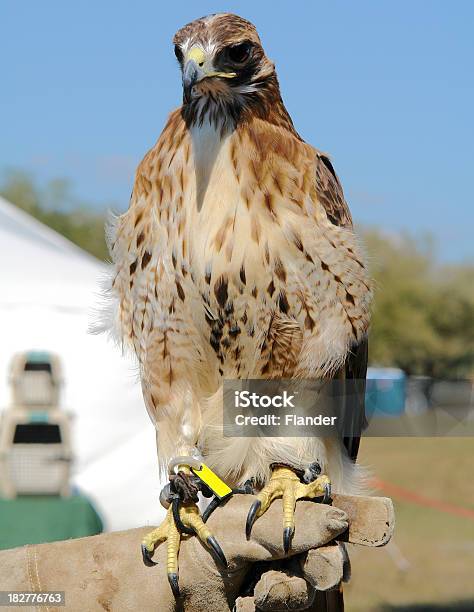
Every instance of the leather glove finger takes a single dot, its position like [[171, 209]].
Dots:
[[278, 591], [325, 567]]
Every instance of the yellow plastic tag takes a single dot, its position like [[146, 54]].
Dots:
[[217, 486]]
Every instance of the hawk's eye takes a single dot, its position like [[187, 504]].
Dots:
[[239, 53], [178, 53]]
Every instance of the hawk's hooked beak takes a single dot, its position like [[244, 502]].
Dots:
[[197, 67], [192, 73]]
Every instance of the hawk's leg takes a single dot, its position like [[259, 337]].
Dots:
[[285, 483], [182, 520]]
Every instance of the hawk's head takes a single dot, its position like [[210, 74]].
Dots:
[[224, 68]]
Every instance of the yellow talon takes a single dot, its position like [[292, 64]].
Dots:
[[285, 483], [168, 531]]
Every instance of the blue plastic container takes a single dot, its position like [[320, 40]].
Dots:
[[385, 393]]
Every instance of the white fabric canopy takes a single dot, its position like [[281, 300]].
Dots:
[[48, 288]]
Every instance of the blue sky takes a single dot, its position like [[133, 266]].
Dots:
[[386, 87]]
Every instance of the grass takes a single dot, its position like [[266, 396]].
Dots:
[[429, 566]]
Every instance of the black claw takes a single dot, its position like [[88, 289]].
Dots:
[[252, 517], [327, 494], [288, 533], [213, 505], [173, 580], [217, 551], [177, 519], [146, 556]]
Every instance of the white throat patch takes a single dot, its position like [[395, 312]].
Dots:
[[207, 140]]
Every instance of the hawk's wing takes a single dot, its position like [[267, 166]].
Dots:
[[330, 193], [354, 399], [352, 417]]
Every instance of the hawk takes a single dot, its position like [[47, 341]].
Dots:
[[237, 259]]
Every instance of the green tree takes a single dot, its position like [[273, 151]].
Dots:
[[423, 312], [55, 206]]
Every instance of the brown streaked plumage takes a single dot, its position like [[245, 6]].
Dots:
[[237, 258]]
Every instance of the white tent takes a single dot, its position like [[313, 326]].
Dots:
[[48, 287]]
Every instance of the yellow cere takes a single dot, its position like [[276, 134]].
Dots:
[[196, 54], [217, 486]]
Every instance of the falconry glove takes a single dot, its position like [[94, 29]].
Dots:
[[104, 572]]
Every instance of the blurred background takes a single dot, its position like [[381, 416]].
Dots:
[[387, 90]]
